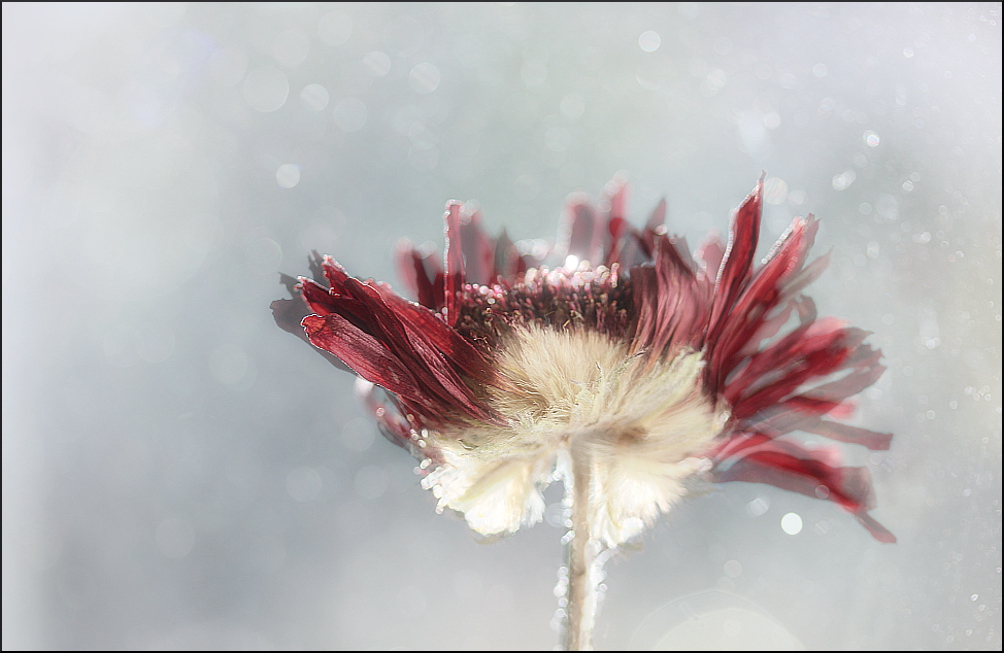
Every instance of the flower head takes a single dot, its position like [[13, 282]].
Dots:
[[631, 361]]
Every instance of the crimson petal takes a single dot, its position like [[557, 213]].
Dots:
[[455, 269], [791, 467], [738, 260], [367, 357]]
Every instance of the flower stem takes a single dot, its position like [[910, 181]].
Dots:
[[583, 550]]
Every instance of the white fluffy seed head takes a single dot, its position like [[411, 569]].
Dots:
[[643, 426]]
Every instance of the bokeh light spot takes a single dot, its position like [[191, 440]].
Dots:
[[314, 97], [424, 78], [335, 27], [303, 484], [266, 88], [288, 175], [649, 41], [350, 114], [791, 523], [175, 538]]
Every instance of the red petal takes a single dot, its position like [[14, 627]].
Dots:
[[391, 422], [422, 274], [813, 350], [765, 291], [670, 309], [318, 297], [654, 227], [362, 352], [618, 230], [478, 251], [415, 350], [455, 271], [335, 273], [734, 273], [789, 466], [710, 253], [457, 349], [508, 264], [586, 236], [852, 434]]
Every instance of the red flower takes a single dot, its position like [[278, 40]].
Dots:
[[632, 365]]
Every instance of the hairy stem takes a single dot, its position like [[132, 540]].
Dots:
[[583, 567]]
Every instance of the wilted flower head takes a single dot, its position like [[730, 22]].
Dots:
[[632, 364]]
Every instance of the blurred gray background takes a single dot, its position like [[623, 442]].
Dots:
[[180, 473]]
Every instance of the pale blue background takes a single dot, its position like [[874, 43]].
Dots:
[[178, 472]]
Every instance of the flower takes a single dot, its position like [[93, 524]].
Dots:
[[627, 370]]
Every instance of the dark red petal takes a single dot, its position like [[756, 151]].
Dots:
[[851, 434], [289, 313], [765, 291], [654, 227], [657, 218], [615, 196], [507, 263], [317, 297], [848, 386], [710, 253], [334, 272], [391, 422], [734, 273], [671, 310], [414, 348], [460, 353], [455, 271], [787, 419], [323, 301], [789, 466], [362, 352], [618, 231], [585, 239], [813, 350], [423, 275], [787, 381], [478, 250]]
